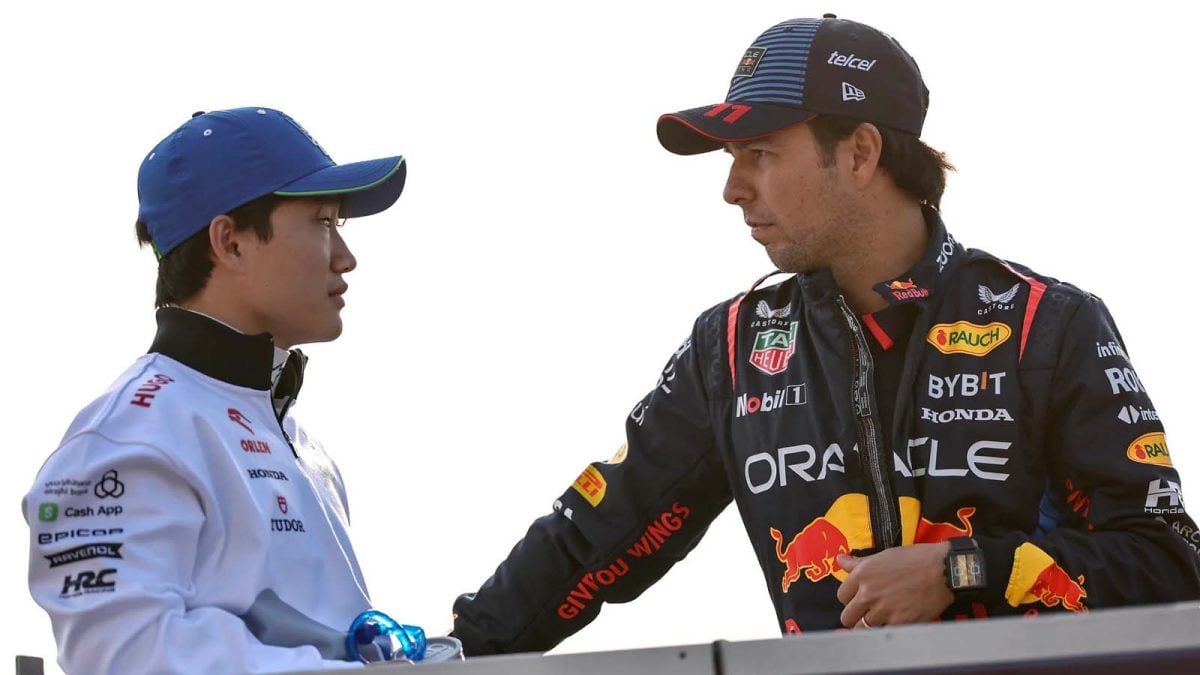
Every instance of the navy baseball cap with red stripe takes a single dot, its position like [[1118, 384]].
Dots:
[[802, 68]]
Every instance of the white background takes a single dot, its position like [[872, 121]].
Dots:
[[547, 255]]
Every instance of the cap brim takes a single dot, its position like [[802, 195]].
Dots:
[[369, 187], [691, 132]]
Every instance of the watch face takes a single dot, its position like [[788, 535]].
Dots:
[[965, 571]]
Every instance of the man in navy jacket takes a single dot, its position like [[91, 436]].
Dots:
[[912, 430]]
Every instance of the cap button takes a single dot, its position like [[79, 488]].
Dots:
[[829, 15], [197, 113]]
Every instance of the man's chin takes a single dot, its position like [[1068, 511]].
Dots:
[[789, 263], [334, 332], [327, 334]]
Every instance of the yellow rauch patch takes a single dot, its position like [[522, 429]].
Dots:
[[591, 485], [964, 337], [1150, 449]]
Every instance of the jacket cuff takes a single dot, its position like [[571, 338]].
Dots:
[[998, 555]]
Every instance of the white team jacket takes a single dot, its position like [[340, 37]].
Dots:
[[174, 501]]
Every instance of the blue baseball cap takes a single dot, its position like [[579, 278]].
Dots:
[[802, 68], [217, 161]]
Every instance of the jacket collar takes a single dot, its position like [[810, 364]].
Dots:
[[222, 353], [941, 256]]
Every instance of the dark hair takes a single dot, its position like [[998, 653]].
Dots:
[[185, 270], [916, 168]]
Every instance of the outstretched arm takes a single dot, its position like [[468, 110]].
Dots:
[[615, 531]]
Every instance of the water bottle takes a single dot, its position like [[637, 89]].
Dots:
[[375, 636]]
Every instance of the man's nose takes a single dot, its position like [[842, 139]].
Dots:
[[737, 190], [342, 260]]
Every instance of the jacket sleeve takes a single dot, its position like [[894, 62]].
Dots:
[[115, 531], [615, 531], [1121, 536]]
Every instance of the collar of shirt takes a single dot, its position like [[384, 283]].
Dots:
[[215, 349]]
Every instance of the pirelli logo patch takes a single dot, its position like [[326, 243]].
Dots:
[[591, 485]]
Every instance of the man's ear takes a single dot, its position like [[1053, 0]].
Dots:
[[225, 243], [865, 149]]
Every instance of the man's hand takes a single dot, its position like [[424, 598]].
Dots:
[[906, 584]]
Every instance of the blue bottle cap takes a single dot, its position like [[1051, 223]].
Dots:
[[375, 636]]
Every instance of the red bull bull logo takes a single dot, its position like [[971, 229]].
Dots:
[[1054, 585], [929, 531], [1038, 578], [813, 551], [917, 529]]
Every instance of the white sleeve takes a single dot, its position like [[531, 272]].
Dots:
[[115, 532]]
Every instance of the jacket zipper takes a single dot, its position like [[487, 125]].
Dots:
[[885, 527], [286, 436], [282, 412], [279, 419]]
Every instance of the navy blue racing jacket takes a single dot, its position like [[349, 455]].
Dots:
[[1019, 421]]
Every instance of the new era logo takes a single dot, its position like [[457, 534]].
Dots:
[[852, 93]]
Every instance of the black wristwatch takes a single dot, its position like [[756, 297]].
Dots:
[[965, 573]]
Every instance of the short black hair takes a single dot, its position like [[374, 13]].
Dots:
[[184, 271], [916, 168]]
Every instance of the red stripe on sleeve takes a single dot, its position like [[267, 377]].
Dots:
[[731, 326], [731, 338], [1036, 290]]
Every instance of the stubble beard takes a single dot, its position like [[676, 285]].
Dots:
[[830, 244]]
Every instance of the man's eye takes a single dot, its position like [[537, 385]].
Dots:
[[759, 154]]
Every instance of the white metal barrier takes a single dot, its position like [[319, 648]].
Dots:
[[1154, 640]]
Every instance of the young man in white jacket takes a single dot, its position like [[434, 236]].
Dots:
[[187, 523]]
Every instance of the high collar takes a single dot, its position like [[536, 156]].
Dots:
[[941, 256], [214, 349]]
